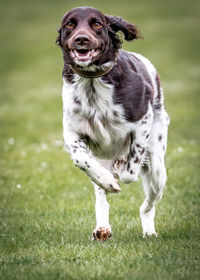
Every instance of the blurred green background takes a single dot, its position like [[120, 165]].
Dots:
[[46, 204]]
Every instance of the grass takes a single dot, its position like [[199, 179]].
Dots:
[[46, 204]]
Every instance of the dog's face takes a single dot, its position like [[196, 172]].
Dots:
[[89, 37], [84, 35]]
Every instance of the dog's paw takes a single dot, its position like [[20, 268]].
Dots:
[[127, 177], [148, 227], [112, 186], [108, 182], [149, 233], [119, 165], [101, 234], [125, 172], [147, 218]]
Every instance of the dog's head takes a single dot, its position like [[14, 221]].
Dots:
[[89, 37]]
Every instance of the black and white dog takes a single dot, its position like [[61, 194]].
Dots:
[[115, 124]]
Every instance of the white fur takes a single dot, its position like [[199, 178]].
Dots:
[[155, 178], [102, 103], [95, 118], [102, 208]]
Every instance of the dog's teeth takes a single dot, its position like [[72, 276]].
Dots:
[[72, 53], [95, 53], [76, 53], [89, 55]]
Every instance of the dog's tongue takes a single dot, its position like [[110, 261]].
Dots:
[[83, 53]]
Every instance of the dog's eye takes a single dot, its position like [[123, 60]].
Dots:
[[70, 25], [97, 25]]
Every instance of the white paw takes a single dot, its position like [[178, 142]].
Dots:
[[147, 219], [148, 229], [128, 176], [125, 174], [149, 234], [107, 181]]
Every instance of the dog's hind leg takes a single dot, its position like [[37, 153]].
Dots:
[[154, 173], [129, 170]]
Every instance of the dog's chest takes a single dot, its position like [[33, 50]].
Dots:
[[89, 109]]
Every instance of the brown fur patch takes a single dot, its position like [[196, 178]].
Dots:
[[101, 234]]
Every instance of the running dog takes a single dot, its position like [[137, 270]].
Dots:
[[115, 124]]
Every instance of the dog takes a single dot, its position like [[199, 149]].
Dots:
[[114, 122]]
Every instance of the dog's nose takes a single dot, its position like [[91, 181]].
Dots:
[[82, 39]]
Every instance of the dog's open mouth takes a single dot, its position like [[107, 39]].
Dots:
[[84, 54]]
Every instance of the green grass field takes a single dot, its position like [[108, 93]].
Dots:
[[46, 204]]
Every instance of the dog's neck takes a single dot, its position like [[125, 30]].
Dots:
[[91, 74]]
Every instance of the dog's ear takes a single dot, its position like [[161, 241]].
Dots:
[[58, 39], [131, 32]]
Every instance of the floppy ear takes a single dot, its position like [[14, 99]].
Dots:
[[131, 32], [58, 39]]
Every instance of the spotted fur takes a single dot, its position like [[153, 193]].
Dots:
[[115, 126]]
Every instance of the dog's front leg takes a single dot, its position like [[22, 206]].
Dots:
[[81, 157], [128, 170], [103, 230]]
